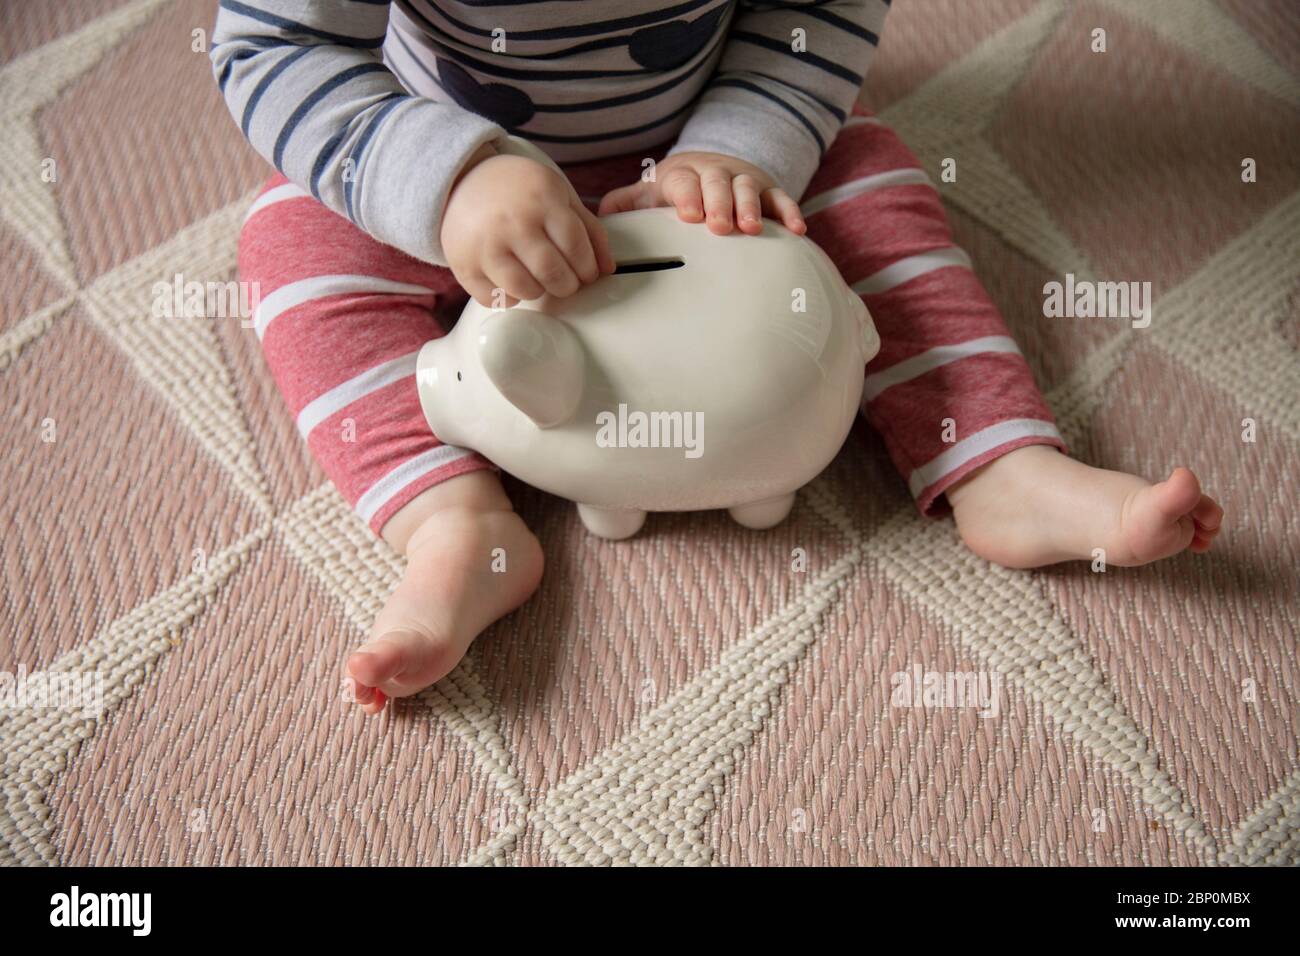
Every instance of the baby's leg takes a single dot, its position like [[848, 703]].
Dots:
[[953, 396], [341, 319]]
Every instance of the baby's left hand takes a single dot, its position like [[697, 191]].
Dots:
[[722, 190]]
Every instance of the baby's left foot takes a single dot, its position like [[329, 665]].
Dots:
[[1036, 506]]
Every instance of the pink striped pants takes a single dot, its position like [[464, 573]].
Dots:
[[342, 317]]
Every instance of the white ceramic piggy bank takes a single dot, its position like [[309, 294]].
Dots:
[[707, 372]]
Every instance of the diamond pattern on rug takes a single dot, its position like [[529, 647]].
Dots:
[[686, 696]]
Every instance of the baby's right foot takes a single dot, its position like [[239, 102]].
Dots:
[[1036, 506], [457, 583]]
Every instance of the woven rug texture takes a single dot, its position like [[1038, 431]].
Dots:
[[695, 695]]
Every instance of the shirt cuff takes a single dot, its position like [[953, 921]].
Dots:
[[407, 174]]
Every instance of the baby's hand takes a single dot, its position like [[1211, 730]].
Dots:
[[516, 225], [722, 189]]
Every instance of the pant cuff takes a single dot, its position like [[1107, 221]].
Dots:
[[403, 497], [930, 498]]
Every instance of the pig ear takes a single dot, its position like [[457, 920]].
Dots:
[[536, 362], [870, 337]]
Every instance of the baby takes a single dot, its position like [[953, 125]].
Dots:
[[394, 201]]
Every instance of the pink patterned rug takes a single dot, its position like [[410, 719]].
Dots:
[[693, 695]]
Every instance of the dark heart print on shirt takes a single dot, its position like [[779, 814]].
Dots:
[[664, 46], [507, 105]]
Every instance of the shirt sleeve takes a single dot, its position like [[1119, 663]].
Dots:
[[789, 74], [305, 81]]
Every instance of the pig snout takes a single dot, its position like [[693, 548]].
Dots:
[[439, 373]]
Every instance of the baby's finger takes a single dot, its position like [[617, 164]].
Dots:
[[599, 239], [682, 190], [648, 199], [548, 266], [569, 233], [778, 204], [480, 288], [622, 199], [508, 274], [749, 207], [716, 186]]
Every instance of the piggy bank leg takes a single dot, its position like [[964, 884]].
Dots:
[[612, 523], [763, 514]]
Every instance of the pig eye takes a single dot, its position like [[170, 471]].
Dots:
[[458, 376]]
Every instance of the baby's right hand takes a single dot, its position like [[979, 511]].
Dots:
[[516, 225]]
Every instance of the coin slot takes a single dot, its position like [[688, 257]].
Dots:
[[648, 265]]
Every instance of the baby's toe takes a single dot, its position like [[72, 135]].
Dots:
[[1156, 522], [1208, 515], [1178, 494], [375, 701], [371, 700], [375, 663], [402, 661]]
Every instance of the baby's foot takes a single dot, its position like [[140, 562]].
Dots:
[[1036, 506], [456, 584]]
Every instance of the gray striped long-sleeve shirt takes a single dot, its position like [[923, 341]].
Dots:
[[374, 106]]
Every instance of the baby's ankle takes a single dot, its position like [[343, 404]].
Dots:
[[1001, 471], [459, 526], [469, 493]]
